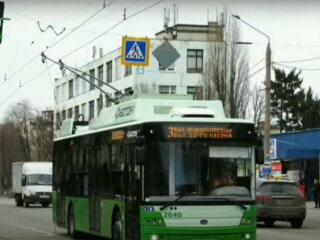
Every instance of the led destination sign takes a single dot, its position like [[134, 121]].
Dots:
[[188, 132]]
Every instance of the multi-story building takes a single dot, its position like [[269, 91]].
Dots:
[[76, 97]]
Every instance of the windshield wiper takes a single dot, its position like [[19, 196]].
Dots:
[[173, 202], [243, 207]]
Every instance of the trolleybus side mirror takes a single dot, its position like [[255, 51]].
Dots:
[[140, 155], [259, 155]]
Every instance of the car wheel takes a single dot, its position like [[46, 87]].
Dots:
[[269, 222], [296, 223]]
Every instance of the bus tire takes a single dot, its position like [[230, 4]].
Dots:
[[117, 227], [72, 232], [18, 200], [25, 202]]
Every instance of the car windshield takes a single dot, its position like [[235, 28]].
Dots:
[[279, 188], [39, 179], [198, 170]]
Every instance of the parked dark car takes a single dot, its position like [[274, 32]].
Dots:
[[280, 201]]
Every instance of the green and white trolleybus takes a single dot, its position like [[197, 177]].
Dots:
[[157, 168]]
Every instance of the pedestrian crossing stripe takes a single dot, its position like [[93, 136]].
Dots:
[[135, 51]]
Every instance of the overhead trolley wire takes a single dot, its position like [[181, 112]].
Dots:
[[295, 67], [114, 26], [73, 51], [38, 55], [80, 25]]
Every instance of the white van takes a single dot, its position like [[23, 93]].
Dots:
[[32, 183]]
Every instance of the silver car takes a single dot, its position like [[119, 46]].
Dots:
[[280, 201]]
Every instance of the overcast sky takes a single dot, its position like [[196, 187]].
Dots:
[[293, 27]]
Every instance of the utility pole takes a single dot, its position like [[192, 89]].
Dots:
[[267, 104], [2, 160], [267, 83]]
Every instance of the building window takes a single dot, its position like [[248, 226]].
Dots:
[[84, 84], [92, 80], [196, 91], [64, 92], [165, 89], [191, 90], [109, 72], [84, 110], [58, 94], [100, 75], [76, 113], [99, 103], [70, 84], [91, 110], [70, 113], [63, 115], [118, 68], [76, 86], [194, 61], [168, 69], [58, 120], [128, 71]]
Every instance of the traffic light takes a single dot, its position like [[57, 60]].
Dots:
[[1, 19]]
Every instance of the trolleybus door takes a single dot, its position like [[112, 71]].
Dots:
[[94, 197], [132, 196], [61, 174]]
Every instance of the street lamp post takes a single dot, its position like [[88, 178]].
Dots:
[[267, 91]]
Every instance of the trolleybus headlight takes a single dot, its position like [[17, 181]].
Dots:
[[154, 237], [247, 236]]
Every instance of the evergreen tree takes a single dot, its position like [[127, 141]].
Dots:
[[286, 98], [310, 111]]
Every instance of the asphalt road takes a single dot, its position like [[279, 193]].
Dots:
[[35, 223], [282, 230]]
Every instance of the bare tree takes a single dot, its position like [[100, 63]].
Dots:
[[41, 136], [257, 103], [11, 150], [20, 115], [36, 131], [225, 75]]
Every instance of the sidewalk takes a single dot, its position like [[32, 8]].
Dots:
[[310, 205]]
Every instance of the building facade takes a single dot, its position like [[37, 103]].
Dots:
[[76, 98]]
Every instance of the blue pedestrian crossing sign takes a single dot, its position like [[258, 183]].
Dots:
[[135, 51]]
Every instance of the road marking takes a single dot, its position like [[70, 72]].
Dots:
[[28, 228]]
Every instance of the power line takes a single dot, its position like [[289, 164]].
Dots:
[[300, 60], [298, 68], [114, 26], [258, 63], [62, 65], [40, 73], [80, 25], [259, 70], [35, 57], [20, 69]]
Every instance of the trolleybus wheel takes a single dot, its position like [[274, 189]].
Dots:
[[71, 224], [117, 227]]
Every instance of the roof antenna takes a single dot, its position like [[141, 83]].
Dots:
[[174, 14], [166, 19]]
